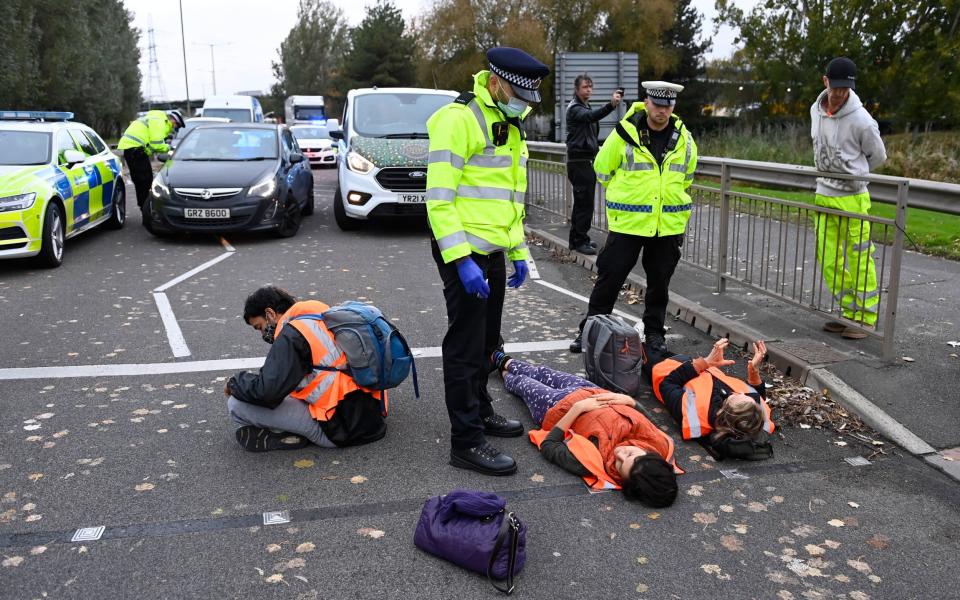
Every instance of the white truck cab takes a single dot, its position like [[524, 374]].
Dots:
[[307, 110], [383, 149], [239, 109]]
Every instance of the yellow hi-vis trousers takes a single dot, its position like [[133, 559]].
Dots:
[[845, 254]]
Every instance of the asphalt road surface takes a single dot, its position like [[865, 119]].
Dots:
[[111, 418]]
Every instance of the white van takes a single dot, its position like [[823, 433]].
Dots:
[[304, 109], [383, 149], [239, 109]]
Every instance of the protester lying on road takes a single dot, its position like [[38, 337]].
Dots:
[[596, 434], [728, 416], [293, 401]]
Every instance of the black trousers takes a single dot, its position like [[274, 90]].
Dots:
[[618, 257], [141, 173], [584, 181], [473, 334]]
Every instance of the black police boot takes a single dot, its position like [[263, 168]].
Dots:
[[484, 459], [498, 426], [576, 346], [586, 249], [655, 342], [258, 439]]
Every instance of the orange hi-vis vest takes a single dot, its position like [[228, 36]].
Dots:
[[612, 426], [698, 394], [321, 389]]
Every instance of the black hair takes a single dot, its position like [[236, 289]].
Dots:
[[580, 79], [268, 296], [651, 482]]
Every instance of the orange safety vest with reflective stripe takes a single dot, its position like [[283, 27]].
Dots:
[[698, 393], [321, 389], [612, 426]]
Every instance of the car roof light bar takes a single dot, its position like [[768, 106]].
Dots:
[[35, 115]]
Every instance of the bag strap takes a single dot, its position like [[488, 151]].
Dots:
[[511, 528]]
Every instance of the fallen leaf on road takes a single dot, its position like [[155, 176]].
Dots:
[[853, 504], [731, 543], [879, 542], [358, 479], [536, 478], [642, 560], [741, 528], [908, 359], [295, 563], [304, 463], [726, 508], [275, 578], [305, 547], [695, 490], [842, 578], [144, 487], [835, 523], [861, 566], [301, 578], [704, 518], [831, 544], [757, 507], [777, 499], [954, 344], [858, 595], [371, 533], [38, 550], [653, 516], [642, 588], [35, 477], [634, 525], [271, 548], [814, 550]]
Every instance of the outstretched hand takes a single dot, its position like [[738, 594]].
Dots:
[[759, 353], [715, 358]]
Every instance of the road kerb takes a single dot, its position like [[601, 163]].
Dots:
[[814, 376]]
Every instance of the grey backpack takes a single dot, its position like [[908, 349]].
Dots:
[[612, 354]]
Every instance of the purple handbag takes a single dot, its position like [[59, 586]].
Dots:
[[473, 530]]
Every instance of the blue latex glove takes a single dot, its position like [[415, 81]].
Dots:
[[472, 278], [520, 271]]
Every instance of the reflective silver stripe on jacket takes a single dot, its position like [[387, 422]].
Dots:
[[603, 177], [489, 148], [134, 138], [447, 156], [493, 162], [454, 239], [441, 193], [678, 168], [861, 247], [483, 245], [484, 192], [321, 333], [693, 419]]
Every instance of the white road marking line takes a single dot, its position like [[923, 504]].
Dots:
[[194, 271], [534, 273], [177, 344], [585, 300], [224, 364]]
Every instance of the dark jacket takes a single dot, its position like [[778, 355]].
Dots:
[[357, 419], [583, 128]]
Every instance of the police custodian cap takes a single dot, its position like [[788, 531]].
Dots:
[[522, 71], [663, 93]]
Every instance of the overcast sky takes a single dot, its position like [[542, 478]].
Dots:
[[246, 38]]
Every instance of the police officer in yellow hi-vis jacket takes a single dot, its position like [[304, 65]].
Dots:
[[476, 180], [145, 136], [646, 165]]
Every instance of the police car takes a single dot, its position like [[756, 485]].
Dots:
[[57, 179]]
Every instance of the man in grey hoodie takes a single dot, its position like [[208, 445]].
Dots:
[[846, 139]]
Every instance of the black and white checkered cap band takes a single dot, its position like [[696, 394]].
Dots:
[[662, 93], [527, 83]]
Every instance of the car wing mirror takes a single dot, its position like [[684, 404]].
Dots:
[[72, 157], [295, 157], [337, 134]]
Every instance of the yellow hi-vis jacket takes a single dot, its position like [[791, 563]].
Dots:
[[475, 190], [148, 132], [644, 198]]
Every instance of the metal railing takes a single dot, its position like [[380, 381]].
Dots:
[[779, 246]]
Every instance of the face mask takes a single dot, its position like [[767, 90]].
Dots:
[[514, 108], [267, 334]]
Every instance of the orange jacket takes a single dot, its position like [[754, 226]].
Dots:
[[696, 417], [321, 389], [611, 426]]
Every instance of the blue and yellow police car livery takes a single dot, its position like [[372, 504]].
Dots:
[[57, 179]]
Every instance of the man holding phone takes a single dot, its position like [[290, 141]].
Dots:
[[583, 129]]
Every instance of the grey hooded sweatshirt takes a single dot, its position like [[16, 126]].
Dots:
[[846, 142]]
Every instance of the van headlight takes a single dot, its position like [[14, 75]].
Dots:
[[265, 188], [158, 189], [358, 163], [18, 202]]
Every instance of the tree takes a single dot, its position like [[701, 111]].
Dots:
[[312, 54], [382, 51], [78, 56], [683, 41]]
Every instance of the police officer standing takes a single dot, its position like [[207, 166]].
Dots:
[[145, 136], [476, 180], [582, 131], [646, 165]]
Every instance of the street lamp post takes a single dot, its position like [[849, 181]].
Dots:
[[183, 42]]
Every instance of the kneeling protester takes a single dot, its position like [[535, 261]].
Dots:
[[304, 393]]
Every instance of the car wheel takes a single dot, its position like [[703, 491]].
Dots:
[[310, 206], [118, 214], [51, 249], [344, 222], [292, 216]]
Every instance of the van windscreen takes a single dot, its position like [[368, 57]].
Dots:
[[395, 115], [237, 115]]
